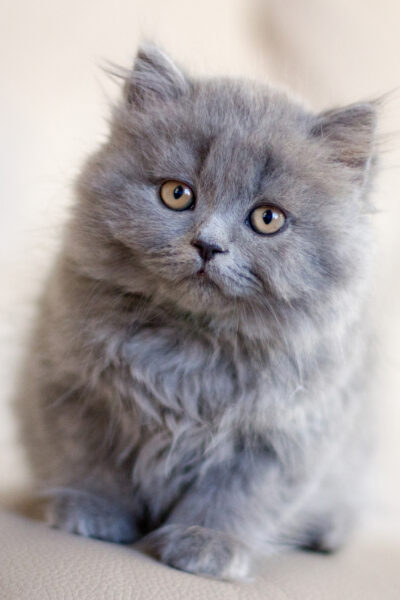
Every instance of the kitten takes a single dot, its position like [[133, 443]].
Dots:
[[197, 375]]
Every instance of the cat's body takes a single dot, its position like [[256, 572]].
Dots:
[[224, 412]]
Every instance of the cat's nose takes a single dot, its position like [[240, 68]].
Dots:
[[206, 250]]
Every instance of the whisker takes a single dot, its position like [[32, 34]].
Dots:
[[240, 278]]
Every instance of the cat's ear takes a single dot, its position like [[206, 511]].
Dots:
[[154, 77], [350, 134]]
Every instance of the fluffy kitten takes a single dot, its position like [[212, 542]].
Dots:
[[197, 374]]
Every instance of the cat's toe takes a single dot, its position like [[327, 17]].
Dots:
[[202, 551], [319, 545], [329, 535], [91, 516]]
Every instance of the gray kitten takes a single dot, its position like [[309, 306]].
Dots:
[[197, 373]]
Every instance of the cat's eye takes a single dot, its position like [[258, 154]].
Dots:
[[267, 219], [177, 195]]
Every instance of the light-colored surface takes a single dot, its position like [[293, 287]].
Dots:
[[41, 564], [53, 104]]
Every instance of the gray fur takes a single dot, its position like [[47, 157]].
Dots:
[[224, 418]]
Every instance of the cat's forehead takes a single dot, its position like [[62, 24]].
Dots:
[[245, 127], [245, 108]]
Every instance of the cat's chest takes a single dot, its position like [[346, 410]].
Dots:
[[198, 400], [188, 371]]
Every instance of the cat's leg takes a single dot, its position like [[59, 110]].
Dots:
[[87, 489], [220, 532], [327, 533], [238, 512], [326, 521], [211, 531], [91, 515], [327, 517]]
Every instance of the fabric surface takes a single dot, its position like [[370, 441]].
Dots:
[[37, 563]]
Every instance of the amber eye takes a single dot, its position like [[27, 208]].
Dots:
[[177, 195], [267, 219]]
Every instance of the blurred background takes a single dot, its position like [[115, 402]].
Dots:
[[54, 103]]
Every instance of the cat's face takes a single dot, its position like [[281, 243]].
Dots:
[[219, 194]]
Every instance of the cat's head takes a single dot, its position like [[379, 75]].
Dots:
[[224, 196]]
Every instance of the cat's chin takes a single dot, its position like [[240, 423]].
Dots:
[[198, 293], [201, 281]]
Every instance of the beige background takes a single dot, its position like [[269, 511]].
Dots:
[[54, 100]]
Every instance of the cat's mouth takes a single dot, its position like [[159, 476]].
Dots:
[[204, 279], [203, 274]]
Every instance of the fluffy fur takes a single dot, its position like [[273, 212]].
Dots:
[[220, 417]]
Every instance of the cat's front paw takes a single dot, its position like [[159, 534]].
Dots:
[[329, 533], [200, 550], [90, 515]]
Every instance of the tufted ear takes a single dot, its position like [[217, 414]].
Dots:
[[350, 134], [154, 77]]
